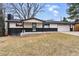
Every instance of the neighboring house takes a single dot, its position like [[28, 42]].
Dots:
[[36, 25], [76, 25]]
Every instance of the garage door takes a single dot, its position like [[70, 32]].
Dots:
[[63, 28]]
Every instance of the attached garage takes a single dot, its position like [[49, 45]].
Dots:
[[63, 28]]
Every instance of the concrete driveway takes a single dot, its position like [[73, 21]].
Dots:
[[71, 33]]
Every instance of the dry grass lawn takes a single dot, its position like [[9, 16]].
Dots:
[[43, 44]]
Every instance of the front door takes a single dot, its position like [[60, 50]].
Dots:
[[33, 26]]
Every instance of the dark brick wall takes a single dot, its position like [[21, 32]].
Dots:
[[17, 31]]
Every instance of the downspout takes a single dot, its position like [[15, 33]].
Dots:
[[23, 28]]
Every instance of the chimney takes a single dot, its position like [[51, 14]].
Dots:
[[10, 17]]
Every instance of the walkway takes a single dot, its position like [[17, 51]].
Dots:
[[30, 33]]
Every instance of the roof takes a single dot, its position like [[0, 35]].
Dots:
[[34, 18], [13, 21], [77, 21], [58, 22], [46, 22], [18, 20]]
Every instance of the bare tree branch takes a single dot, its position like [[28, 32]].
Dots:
[[28, 10]]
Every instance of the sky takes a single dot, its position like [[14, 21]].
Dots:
[[54, 11]]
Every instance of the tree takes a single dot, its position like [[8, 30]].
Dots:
[[73, 10], [65, 20], [2, 25], [26, 10]]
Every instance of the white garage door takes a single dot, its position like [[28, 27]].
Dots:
[[63, 28]]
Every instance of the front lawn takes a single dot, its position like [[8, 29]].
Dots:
[[43, 44]]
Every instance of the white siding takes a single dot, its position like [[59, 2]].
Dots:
[[63, 28], [27, 25], [13, 25], [39, 26], [33, 21], [53, 25]]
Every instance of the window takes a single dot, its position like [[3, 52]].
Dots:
[[46, 25], [18, 24]]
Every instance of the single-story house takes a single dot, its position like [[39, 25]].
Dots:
[[36, 25]]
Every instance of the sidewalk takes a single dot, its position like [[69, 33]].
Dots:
[[72, 33]]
